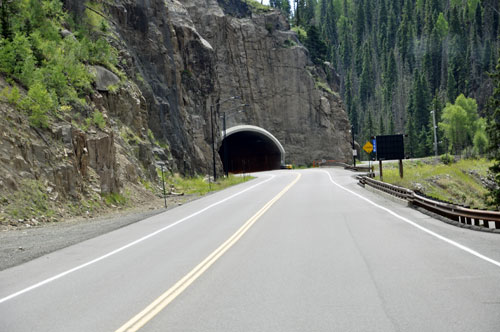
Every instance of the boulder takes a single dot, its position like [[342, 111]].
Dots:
[[104, 78]]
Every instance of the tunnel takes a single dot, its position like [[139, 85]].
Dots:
[[250, 149]]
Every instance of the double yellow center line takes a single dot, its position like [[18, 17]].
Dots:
[[142, 318]]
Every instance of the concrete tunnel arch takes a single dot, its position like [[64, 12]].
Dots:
[[249, 148]]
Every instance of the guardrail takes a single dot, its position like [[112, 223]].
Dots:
[[332, 163], [463, 215]]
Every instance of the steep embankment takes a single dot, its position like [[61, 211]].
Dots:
[[173, 61]]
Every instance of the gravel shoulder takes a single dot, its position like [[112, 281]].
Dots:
[[20, 245]]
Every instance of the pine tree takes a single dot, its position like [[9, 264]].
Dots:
[[419, 50], [479, 20], [328, 26], [315, 45], [360, 22], [345, 42], [366, 84], [422, 101], [494, 133], [451, 85], [381, 125], [412, 139], [392, 126]]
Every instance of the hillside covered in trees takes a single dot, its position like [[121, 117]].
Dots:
[[400, 60]]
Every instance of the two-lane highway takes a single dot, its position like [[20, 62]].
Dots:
[[290, 251]]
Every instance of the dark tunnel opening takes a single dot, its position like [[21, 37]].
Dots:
[[248, 151]]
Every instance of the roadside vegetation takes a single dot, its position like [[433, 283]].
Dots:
[[39, 54], [464, 182], [200, 185]]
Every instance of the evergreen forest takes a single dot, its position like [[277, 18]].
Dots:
[[401, 62]]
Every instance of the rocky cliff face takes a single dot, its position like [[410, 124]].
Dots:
[[189, 55], [181, 59]]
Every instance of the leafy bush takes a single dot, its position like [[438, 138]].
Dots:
[[52, 68], [39, 102], [11, 96], [447, 159], [98, 119], [480, 142]]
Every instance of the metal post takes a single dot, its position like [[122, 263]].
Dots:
[[213, 140], [209, 180], [226, 166], [400, 168], [163, 182], [435, 133], [380, 170], [353, 148]]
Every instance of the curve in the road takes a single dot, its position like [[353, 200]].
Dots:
[[428, 231]]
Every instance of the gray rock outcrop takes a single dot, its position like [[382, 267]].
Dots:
[[189, 55]]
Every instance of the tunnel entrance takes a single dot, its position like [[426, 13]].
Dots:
[[250, 149]]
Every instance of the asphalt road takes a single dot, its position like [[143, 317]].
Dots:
[[290, 251]]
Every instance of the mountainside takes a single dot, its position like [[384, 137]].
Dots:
[[93, 99], [399, 60], [209, 56]]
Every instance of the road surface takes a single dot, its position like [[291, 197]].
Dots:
[[289, 251]]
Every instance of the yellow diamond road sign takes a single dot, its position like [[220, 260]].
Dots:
[[368, 147]]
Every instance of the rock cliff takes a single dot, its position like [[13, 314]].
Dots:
[[193, 54]]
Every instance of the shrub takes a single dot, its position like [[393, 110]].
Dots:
[[480, 142], [11, 96], [447, 159], [38, 103], [98, 119]]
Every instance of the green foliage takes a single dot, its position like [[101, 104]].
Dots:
[[316, 46], [30, 200], [324, 86], [256, 6], [447, 159], [98, 120], [455, 182], [301, 33], [115, 199], [494, 134], [480, 142], [10, 95], [460, 122], [52, 68], [395, 57], [39, 103], [201, 185]]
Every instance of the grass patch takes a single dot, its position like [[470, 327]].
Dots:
[[200, 184], [458, 183], [30, 200], [257, 7], [115, 199], [301, 33], [324, 86]]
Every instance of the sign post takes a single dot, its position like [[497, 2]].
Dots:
[[390, 147], [368, 147]]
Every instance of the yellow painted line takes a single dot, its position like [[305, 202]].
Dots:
[[166, 298]]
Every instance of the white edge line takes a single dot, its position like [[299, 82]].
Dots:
[[428, 231], [114, 252]]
